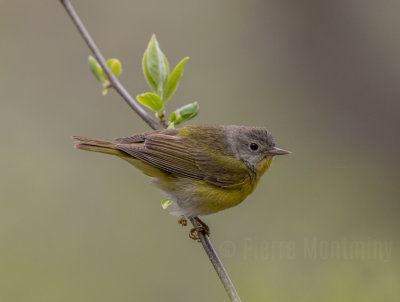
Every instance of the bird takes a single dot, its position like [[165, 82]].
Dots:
[[202, 169]]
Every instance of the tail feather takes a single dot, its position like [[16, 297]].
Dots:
[[95, 145]]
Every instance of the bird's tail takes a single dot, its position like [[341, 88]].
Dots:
[[95, 145]]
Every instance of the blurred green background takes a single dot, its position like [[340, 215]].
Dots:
[[323, 225]]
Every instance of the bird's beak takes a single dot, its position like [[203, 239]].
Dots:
[[278, 151]]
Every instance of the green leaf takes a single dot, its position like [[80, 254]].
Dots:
[[154, 66], [184, 113], [173, 79], [104, 91], [147, 75], [166, 64], [97, 70], [166, 203], [151, 100], [115, 66]]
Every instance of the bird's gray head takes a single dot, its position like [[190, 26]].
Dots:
[[252, 145]]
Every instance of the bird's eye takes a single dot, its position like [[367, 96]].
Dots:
[[253, 146]]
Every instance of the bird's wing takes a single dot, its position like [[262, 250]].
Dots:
[[141, 137], [184, 157]]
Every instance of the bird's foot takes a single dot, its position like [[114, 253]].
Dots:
[[182, 221], [202, 228]]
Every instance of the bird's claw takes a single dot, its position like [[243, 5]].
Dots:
[[194, 233], [182, 221], [202, 228]]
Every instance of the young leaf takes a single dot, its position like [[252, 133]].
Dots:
[[166, 64], [166, 203], [173, 79], [115, 66], [184, 113], [97, 70], [147, 75], [154, 66], [151, 100], [104, 91]]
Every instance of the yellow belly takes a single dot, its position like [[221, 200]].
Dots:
[[195, 197]]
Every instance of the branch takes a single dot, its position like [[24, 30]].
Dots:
[[205, 241], [216, 262], [112, 78]]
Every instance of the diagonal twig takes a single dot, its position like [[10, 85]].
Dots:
[[116, 84], [216, 262], [112, 78]]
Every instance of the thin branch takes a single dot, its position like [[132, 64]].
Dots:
[[112, 78], [205, 241], [216, 262]]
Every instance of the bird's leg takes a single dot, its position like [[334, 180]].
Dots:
[[203, 224], [182, 221], [194, 232]]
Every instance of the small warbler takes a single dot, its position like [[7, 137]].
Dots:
[[203, 169]]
